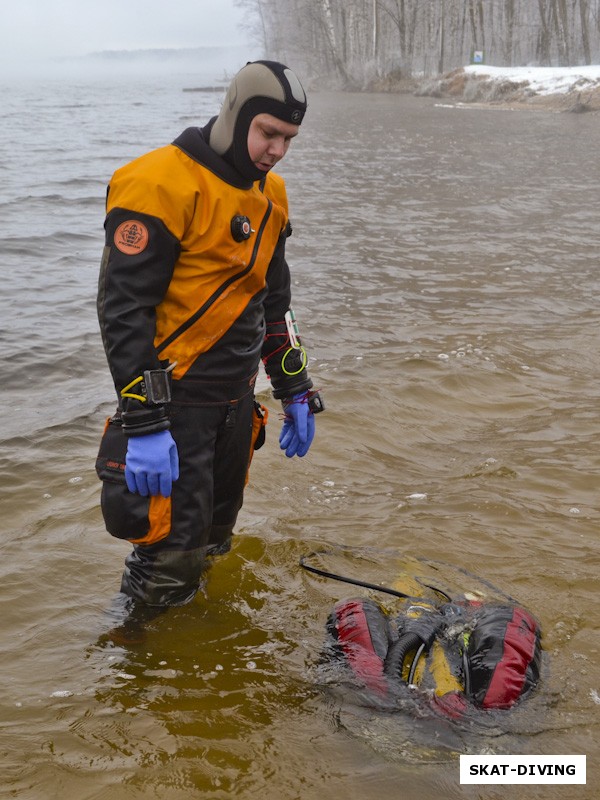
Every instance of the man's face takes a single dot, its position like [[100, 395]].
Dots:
[[268, 140]]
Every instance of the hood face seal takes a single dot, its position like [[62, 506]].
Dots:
[[261, 87]]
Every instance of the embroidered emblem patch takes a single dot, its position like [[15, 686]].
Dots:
[[131, 237]]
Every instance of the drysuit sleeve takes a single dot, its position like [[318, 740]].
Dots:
[[284, 366], [137, 266]]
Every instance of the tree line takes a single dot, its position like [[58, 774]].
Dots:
[[354, 42]]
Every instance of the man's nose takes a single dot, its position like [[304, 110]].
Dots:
[[277, 147]]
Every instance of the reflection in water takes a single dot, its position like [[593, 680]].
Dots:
[[217, 677]]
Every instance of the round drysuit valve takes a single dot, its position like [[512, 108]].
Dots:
[[241, 228]]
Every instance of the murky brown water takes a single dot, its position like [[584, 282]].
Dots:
[[446, 270]]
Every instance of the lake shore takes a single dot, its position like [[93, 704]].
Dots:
[[568, 89]]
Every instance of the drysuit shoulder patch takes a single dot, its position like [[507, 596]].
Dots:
[[131, 237]]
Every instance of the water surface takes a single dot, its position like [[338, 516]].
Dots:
[[445, 276]]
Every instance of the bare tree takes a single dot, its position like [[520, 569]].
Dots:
[[351, 41], [585, 33]]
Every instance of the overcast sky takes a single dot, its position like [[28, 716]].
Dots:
[[33, 29]]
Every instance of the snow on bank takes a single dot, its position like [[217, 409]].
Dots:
[[542, 80], [573, 89]]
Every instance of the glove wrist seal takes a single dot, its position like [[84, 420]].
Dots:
[[288, 389], [143, 421], [315, 402]]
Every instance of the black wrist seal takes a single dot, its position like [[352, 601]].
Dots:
[[140, 422]]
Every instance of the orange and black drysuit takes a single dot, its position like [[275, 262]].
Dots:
[[193, 277]]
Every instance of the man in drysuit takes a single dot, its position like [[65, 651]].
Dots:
[[194, 290]]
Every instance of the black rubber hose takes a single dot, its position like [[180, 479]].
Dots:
[[323, 573], [394, 661]]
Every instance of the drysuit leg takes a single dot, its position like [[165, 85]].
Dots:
[[213, 444]]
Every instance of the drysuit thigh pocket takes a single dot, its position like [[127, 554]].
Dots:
[[125, 514], [141, 520]]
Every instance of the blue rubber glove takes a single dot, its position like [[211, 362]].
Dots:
[[298, 427], [151, 464]]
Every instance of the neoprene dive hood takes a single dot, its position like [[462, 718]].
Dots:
[[261, 87]]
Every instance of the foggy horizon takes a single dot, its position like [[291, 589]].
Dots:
[[40, 35]]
